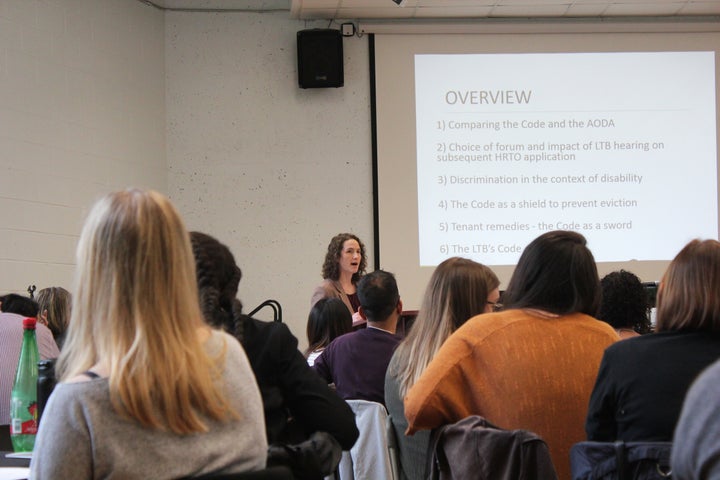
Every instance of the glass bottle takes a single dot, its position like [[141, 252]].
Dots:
[[23, 399]]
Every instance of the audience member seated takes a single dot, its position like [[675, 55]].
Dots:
[[54, 311], [344, 266], [642, 381], [14, 309], [624, 304], [532, 365], [696, 443], [458, 290], [297, 403], [356, 362], [19, 304], [329, 318], [147, 389]]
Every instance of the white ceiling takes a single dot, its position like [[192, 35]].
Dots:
[[454, 9]]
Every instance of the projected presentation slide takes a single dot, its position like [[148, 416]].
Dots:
[[612, 145]]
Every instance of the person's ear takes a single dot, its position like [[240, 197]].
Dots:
[[399, 307], [361, 311], [43, 317]]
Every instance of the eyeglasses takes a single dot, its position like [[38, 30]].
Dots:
[[496, 307]]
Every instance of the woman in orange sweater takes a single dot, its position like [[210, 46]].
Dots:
[[532, 366]]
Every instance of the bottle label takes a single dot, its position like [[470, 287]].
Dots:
[[26, 422]]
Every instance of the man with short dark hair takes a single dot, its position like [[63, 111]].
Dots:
[[356, 362], [19, 304]]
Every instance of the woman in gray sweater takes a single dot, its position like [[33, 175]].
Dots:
[[147, 389]]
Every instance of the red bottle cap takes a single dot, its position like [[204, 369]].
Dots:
[[29, 323]]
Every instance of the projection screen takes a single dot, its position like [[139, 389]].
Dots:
[[485, 141]]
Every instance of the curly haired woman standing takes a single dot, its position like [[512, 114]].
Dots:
[[345, 263]]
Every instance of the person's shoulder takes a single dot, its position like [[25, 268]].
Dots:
[[488, 323], [261, 330], [589, 322], [642, 346], [707, 384], [43, 331], [329, 287], [268, 342], [395, 363], [349, 337], [220, 339], [649, 341], [80, 390], [342, 342], [324, 285], [376, 334], [11, 321]]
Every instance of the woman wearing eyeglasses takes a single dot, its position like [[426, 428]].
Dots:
[[458, 290], [532, 365]]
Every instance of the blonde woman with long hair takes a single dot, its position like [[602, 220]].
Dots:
[[54, 311], [146, 390], [458, 290]]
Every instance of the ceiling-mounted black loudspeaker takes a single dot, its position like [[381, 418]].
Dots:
[[320, 58]]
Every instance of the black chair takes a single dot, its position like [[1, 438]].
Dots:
[[475, 448], [5, 443], [620, 460], [274, 304], [270, 473]]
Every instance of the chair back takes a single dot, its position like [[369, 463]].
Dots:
[[474, 448], [276, 308], [393, 448], [270, 473], [5, 442], [369, 457], [621, 460]]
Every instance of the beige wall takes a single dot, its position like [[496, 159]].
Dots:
[[100, 95], [271, 170], [81, 113]]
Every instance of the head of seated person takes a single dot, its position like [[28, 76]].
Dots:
[[380, 302], [328, 319], [688, 297], [54, 306], [19, 304], [218, 279], [458, 290], [624, 304], [556, 273]]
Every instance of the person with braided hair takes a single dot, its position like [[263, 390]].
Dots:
[[298, 403]]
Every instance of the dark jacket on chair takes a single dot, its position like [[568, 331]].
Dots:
[[474, 448]]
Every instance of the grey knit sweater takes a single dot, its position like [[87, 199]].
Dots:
[[81, 436]]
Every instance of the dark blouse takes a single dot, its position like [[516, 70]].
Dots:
[[297, 401], [641, 385], [354, 301]]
